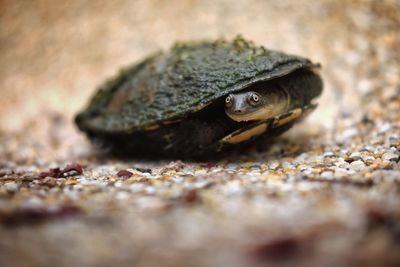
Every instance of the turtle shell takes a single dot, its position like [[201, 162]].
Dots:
[[147, 101]]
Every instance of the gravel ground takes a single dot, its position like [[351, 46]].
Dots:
[[327, 193]]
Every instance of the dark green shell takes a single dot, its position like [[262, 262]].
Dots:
[[169, 87]]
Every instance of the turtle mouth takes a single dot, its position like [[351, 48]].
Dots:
[[260, 114]]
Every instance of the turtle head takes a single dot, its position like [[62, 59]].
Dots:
[[254, 105]]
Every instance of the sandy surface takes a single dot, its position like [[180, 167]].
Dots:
[[327, 193]]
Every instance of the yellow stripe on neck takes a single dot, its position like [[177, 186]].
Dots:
[[260, 114]]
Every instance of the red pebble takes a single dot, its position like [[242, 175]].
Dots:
[[55, 172], [124, 173], [58, 173], [73, 167]]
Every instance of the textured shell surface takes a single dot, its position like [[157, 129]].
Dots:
[[169, 86]]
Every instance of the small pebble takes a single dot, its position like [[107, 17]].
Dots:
[[358, 165], [287, 165], [368, 148], [389, 156], [343, 164], [77, 168], [124, 173], [329, 154], [327, 175], [394, 140], [11, 186], [348, 134], [340, 173], [122, 195], [274, 165], [355, 156], [369, 159], [143, 170], [32, 203], [307, 170], [384, 128]]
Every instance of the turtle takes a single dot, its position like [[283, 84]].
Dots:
[[201, 98]]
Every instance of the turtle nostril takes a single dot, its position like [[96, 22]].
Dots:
[[238, 111]]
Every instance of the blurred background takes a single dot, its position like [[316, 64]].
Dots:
[[329, 186], [54, 54]]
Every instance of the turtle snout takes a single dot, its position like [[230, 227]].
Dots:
[[237, 111]]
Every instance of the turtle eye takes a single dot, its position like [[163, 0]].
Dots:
[[254, 98], [228, 101]]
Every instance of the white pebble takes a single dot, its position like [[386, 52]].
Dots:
[[11, 186], [389, 156], [327, 175], [348, 133], [384, 127], [32, 202], [368, 159], [339, 173], [287, 165], [358, 165], [355, 156], [274, 165]]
